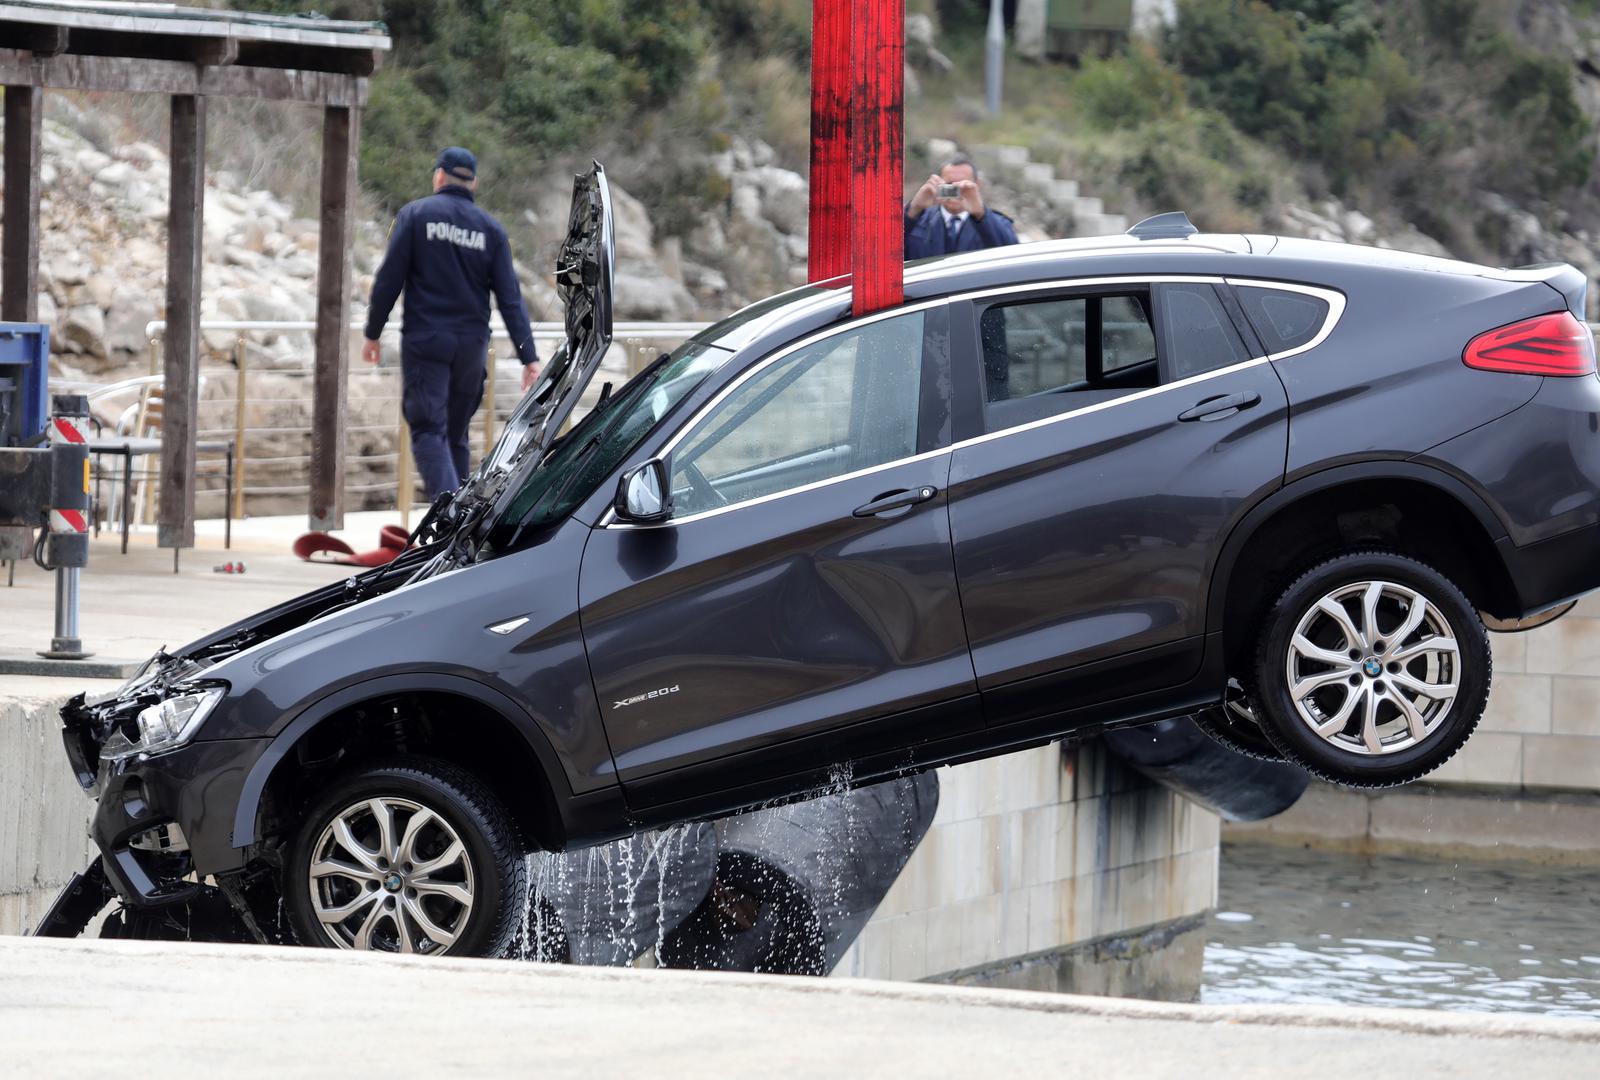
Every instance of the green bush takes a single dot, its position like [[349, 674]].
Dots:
[[1128, 90]]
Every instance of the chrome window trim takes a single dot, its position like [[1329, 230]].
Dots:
[[1332, 297], [1336, 305]]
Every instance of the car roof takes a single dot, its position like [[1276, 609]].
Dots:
[[815, 305]]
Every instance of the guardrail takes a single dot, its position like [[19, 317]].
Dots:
[[267, 414]]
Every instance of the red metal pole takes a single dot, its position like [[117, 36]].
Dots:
[[858, 148], [829, 252], [877, 154]]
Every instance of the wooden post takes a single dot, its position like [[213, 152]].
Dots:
[[828, 253], [340, 137], [180, 391], [877, 154], [19, 293]]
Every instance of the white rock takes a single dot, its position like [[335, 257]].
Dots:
[[784, 198], [91, 160], [100, 288], [1358, 226], [746, 200], [298, 266], [941, 150], [244, 256], [127, 314], [83, 330], [115, 175], [69, 269]]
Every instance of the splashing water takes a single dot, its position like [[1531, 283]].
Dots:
[[783, 888]]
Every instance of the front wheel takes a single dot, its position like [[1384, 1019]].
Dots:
[[410, 856], [1372, 670]]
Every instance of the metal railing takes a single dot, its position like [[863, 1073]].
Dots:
[[377, 437]]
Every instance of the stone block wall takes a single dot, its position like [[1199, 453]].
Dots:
[[1038, 857], [44, 817], [1542, 727]]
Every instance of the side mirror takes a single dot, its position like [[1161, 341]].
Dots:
[[642, 493]]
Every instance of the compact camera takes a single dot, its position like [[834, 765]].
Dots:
[[949, 191]]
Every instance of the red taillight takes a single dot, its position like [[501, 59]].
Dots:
[[1556, 344]]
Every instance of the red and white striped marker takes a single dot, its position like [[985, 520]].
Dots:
[[69, 429], [68, 521]]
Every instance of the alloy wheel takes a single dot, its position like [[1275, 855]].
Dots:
[[1373, 668], [391, 875]]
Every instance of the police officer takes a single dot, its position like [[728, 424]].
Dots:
[[447, 255]]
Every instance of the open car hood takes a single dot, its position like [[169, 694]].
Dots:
[[585, 283]]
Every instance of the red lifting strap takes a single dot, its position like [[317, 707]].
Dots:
[[858, 148]]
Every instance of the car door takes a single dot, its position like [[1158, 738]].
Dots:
[[799, 606], [1123, 426]]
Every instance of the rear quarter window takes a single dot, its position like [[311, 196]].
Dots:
[[1283, 320]]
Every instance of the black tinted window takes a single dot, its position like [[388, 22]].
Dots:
[[1199, 333], [1051, 352], [1284, 320]]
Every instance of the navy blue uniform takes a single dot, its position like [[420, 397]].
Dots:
[[927, 235], [447, 254]]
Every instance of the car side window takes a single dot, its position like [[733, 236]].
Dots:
[[1200, 335], [1284, 320], [1048, 356], [845, 403]]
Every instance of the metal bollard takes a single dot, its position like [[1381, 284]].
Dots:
[[67, 549]]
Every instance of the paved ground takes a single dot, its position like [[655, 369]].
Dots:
[[133, 604], [150, 1009]]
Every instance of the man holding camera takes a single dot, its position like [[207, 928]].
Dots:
[[947, 214], [447, 255]]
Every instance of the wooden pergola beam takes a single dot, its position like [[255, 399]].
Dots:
[[19, 243], [340, 138], [180, 391], [135, 75], [39, 40]]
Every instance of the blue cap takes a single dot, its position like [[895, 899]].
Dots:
[[458, 162]]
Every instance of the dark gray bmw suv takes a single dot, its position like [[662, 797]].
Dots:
[[1279, 484]]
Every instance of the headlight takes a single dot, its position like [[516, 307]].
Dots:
[[166, 725]]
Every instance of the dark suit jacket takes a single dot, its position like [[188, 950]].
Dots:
[[925, 233]]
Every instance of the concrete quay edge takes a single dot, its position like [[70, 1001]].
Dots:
[[220, 1002]]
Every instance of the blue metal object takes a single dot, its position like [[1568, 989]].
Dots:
[[24, 377]]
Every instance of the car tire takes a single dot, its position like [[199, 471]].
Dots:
[[1379, 695], [426, 896], [1234, 725]]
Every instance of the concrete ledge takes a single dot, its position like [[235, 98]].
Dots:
[[13, 662], [69, 1007], [1561, 828], [1161, 963]]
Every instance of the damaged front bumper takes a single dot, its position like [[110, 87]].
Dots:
[[163, 800]]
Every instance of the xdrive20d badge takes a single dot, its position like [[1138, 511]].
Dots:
[[1278, 484]]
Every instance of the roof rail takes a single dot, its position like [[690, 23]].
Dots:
[[1173, 226]]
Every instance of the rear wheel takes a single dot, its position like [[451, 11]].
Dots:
[[1372, 670], [411, 856]]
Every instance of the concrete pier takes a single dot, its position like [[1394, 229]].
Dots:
[[1051, 869], [145, 1008]]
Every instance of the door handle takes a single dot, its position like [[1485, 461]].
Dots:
[[896, 500], [1216, 408]]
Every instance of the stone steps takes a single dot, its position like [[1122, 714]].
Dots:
[[1015, 165]]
